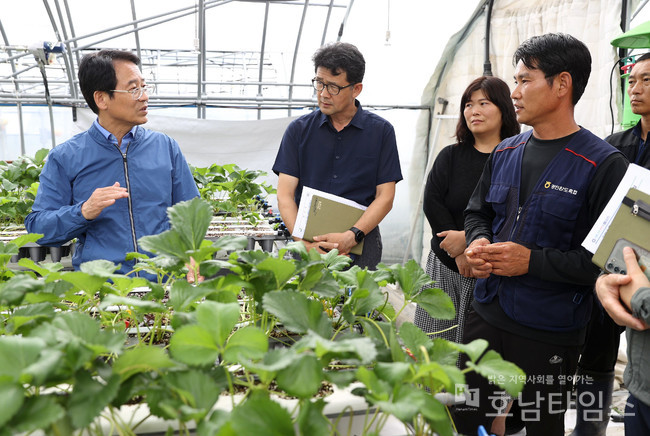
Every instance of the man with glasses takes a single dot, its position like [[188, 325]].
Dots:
[[113, 183], [343, 150]]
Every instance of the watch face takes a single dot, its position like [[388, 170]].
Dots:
[[359, 235]]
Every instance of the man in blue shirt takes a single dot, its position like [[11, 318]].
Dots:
[[112, 184], [343, 150]]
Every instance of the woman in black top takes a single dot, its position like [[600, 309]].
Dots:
[[487, 117]]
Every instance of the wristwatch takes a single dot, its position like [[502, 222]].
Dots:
[[358, 234]]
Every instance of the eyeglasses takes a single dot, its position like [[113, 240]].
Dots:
[[331, 88], [137, 93]]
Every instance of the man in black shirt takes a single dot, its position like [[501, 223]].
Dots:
[[538, 196], [595, 379]]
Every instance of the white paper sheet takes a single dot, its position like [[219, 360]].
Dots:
[[635, 177], [305, 203]]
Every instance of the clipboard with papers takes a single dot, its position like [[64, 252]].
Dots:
[[321, 212], [625, 221]]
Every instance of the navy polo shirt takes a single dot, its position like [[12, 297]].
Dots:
[[350, 163]]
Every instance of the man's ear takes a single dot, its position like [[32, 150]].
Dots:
[[101, 99], [564, 84], [356, 89]]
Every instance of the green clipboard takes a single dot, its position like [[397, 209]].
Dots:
[[330, 216], [630, 227]]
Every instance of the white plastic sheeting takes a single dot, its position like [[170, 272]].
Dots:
[[595, 22], [254, 144]]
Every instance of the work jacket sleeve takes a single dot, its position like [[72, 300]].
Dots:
[[53, 213]]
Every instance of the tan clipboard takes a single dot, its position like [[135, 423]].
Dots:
[[631, 223], [330, 216]]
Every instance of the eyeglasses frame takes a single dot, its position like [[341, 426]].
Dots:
[[314, 81]]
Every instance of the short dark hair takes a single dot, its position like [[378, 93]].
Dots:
[[554, 53], [97, 73], [643, 57], [497, 91], [339, 57]]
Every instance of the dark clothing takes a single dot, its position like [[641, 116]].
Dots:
[[632, 146], [537, 320], [600, 351], [450, 183], [637, 417], [552, 222], [350, 163], [545, 396], [459, 289]]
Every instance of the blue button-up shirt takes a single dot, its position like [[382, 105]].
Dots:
[[350, 163], [110, 137]]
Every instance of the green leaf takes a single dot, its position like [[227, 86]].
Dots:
[[141, 360], [197, 389], [302, 378], [282, 269], [320, 281], [298, 313], [12, 397], [38, 412], [191, 219], [415, 340], [89, 397], [182, 295], [261, 416], [41, 270], [246, 343], [76, 329], [13, 291], [40, 156], [405, 404], [273, 361], [392, 372], [31, 312], [169, 243], [311, 421], [230, 243], [100, 267], [17, 353], [474, 349], [218, 318], [505, 374], [410, 277], [437, 416], [193, 345], [437, 303], [354, 349], [83, 281], [340, 378], [47, 364], [217, 424], [26, 239]]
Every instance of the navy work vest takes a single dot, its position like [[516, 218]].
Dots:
[[555, 215]]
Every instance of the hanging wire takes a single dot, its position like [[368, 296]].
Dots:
[[387, 23]]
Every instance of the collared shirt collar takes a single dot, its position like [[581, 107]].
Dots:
[[357, 119], [112, 139], [636, 130]]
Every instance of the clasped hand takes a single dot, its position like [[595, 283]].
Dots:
[[501, 258]]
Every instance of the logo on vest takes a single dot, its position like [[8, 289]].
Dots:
[[555, 187], [555, 360]]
